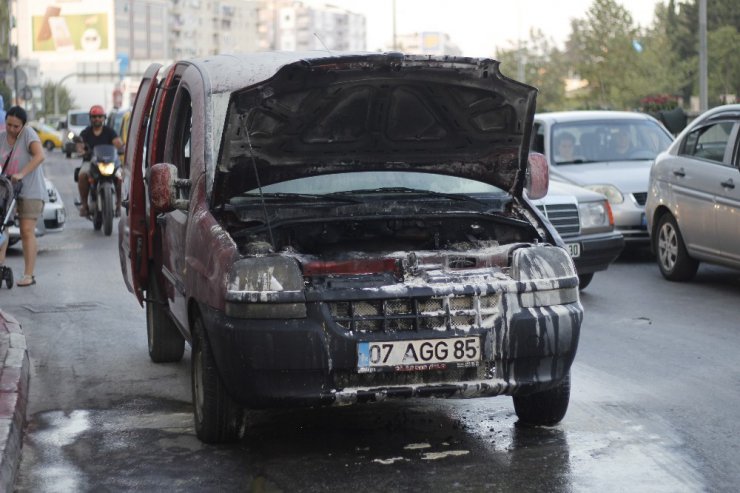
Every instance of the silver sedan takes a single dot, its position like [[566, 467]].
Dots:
[[609, 152]]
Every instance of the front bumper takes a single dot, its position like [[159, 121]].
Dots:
[[313, 361], [597, 251]]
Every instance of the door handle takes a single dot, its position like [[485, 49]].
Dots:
[[728, 183], [679, 172]]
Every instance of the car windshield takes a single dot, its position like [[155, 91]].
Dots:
[[79, 119], [607, 140], [371, 182]]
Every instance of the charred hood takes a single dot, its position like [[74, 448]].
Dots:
[[448, 115]]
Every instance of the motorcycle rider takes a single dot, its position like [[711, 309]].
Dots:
[[97, 133]]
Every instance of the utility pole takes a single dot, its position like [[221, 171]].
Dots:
[[703, 99]]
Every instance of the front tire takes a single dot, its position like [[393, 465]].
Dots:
[[49, 145], [166, 344], [106, 200], [545, 408], [673, 260], [584, 280], [218, 419]]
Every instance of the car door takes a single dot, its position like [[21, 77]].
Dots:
[[133, 225], [695, 177], [728, 200], [174, 224]]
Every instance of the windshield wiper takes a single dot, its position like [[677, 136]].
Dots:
[[303, 196], [412, 191]]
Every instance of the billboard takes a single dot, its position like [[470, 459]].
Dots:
[[71, 26]]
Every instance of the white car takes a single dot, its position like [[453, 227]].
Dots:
[[609, 152], [55, 215], [584, 221], [693, 207]]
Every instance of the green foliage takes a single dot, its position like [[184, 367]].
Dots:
[[723, 45], [6, 93], [65, 101]]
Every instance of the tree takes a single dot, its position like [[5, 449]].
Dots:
[[64, 98], [603, 50], [724, 70], [543, 68], [6, 93]]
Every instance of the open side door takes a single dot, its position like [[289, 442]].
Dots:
[[133, 244]]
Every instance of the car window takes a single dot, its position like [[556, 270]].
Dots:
[[708, 142], [587, 141]]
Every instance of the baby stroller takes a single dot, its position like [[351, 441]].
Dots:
[[8, 195]]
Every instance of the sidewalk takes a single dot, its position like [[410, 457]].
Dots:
[[14, 377]]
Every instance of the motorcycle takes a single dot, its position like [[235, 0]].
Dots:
[[105, 170]]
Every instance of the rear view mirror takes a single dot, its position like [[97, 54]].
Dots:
[[538, 176], [163, 188]]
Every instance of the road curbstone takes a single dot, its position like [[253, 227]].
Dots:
[[14, 381]]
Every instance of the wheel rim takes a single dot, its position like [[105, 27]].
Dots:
[[667, 247]]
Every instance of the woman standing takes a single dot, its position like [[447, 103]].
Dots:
[[21, 156]]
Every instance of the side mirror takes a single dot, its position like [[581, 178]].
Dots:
[[163, 188], [538, 176]]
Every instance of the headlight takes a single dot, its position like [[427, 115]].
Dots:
[[265, 287], [595, 217], [106, 169], [52, 194], [612, 193], [70, 136]]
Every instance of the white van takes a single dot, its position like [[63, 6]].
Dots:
[[77, 120]]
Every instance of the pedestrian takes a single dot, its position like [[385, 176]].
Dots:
[[21, 154]]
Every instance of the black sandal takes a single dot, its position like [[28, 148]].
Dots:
[[26, 281]]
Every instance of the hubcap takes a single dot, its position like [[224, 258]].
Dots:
[[667, 247]]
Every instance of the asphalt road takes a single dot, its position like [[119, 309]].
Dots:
[[655, 404]]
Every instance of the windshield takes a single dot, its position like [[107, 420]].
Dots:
[[607, 140], [377, 181], [79, 119]]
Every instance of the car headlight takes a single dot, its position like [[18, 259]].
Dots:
[[52, 194], [595, 217], [612, 193], [70, 136], [265, 287]]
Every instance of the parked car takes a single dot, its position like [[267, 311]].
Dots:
[[54, 216], [693, 207], [50, 137], [76, 122], [609, 152], [334, 229], [585, 222]]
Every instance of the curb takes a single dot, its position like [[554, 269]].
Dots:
[[14, 380]]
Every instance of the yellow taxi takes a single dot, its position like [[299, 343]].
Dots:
[[50, 137]]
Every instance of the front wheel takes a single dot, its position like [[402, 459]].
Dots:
[[545, 408], [49, 145], [166, 344], [106, 203], [584, 280], [218, 419], [673, 259]]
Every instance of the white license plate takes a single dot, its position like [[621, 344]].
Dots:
[[426, 354], [574, 249], [60, 216]]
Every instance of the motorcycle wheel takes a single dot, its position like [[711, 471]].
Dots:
[[106, 200]]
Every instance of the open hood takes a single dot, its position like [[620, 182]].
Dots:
[[374, 112]]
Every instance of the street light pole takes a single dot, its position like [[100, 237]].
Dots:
[[703, 99], [56, 91]]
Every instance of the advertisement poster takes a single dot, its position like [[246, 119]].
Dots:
[[65, 29]]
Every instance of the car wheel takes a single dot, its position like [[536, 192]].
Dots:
[[545, 408], [166, 344], [68, 154], [218, 418], [584, 280], [49, 145], [673, 259]]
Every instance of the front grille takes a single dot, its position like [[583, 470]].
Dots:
[[564, 217], [640, 198], [414, 314]]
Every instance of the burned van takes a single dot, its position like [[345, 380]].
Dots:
[[334, 229]]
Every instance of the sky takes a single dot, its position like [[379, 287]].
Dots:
[[478, 27]]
